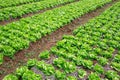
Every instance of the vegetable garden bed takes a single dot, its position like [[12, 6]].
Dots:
[[86, 53], [17, 35]]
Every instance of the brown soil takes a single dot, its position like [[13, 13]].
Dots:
[[33, 13], [46, 42]]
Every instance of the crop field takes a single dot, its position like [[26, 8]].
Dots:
[[59, 40]]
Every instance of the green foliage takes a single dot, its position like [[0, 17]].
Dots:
[[11, 3], [98, 68], [44, 55], [92, 56], [47, 69], [103, 61], [61, 63], [19, 11], [81, 73], [10, 77], [60, 75], [71, 78], [1, 58], [87, 64], [78, 60], [18, 35], [93, 76], [30, 75], [21, 70], [116, 66], [117, 58], [95, 40], [106, 54], [31, 63], [112, 75]]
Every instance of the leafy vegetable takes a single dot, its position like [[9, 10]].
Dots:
[[117, 58], [81, 73], [87, 64], [31, 62], [112, 75], [47, 69], [21, 70], [98, 68], [68, 67], [30, 75], [116, 66], [44, 55], [10, 77], [60, 75], [103, 61], [93, 76]]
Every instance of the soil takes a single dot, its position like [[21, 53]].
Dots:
[[46, 42], [33, 13]]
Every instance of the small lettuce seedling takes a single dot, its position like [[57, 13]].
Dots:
[[61, 63], [116, 66], [117, 58], [87, 64], [103, 61], [93, 76], [31, 63], [112, 75], [44, 55], [81, 73], [60, 75], [21, 70], [30, 75], [98, 68], [10, 77], [47, 69]]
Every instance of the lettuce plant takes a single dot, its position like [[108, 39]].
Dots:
[[21, 70], [47, 69], [106, 54], [71, 78], [98, 68], [31, 63], [61, 63], [10, 77], [87, 64], [115, 65], [103, 61], [30, 75], [81, 73], [78, 60], [44, 55], [60, 75], [93, 76], [112, 75]]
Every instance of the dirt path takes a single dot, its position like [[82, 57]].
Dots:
[[33, 13], [46, 42]]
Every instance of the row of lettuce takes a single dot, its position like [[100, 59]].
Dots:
[[93, 51], [18, 35], [19, 11], [10, 3]]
